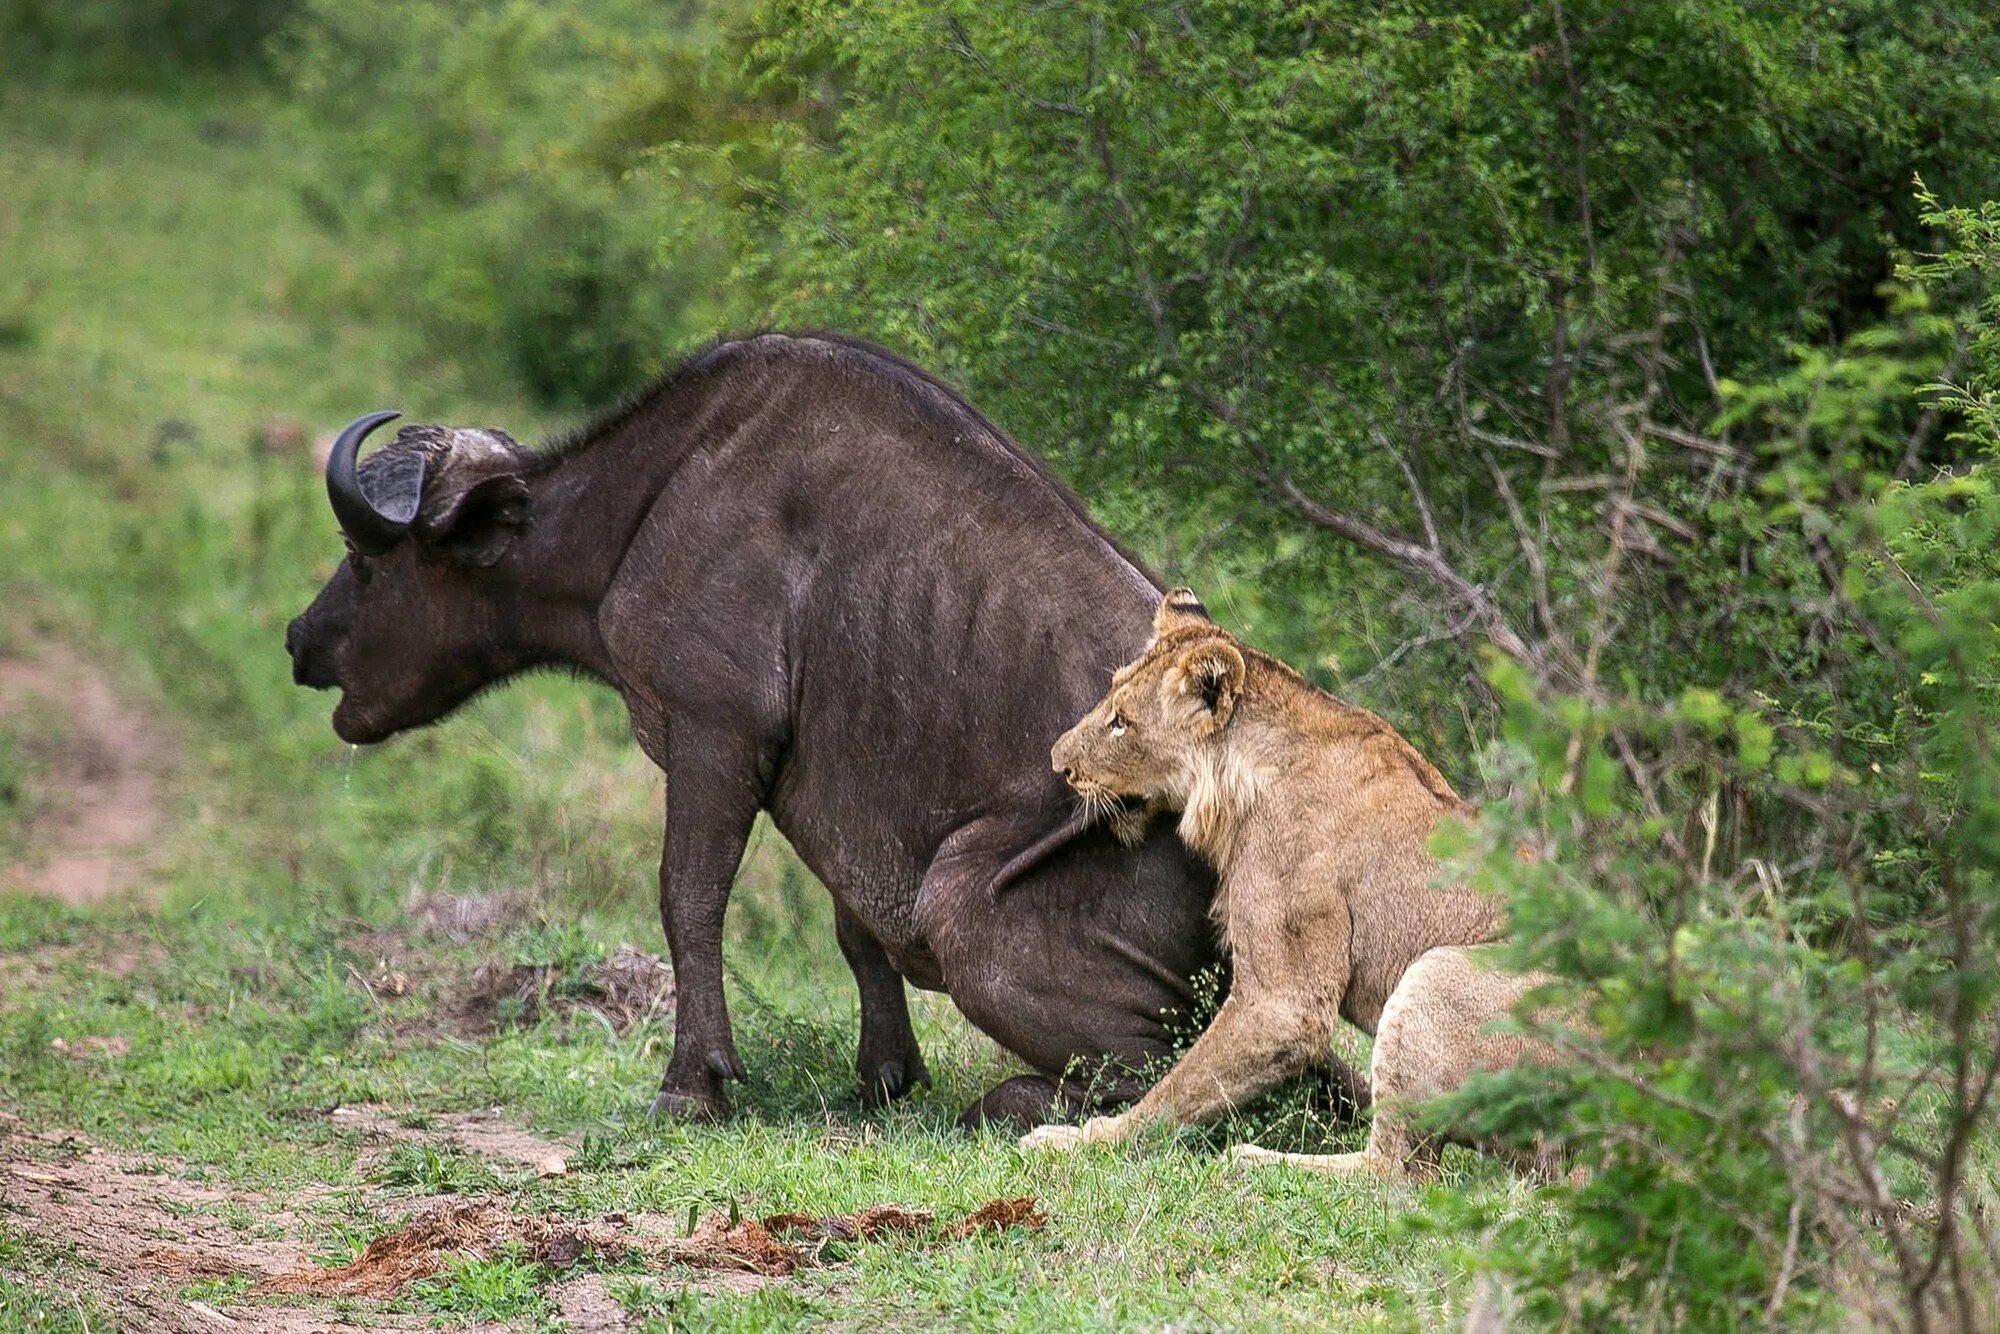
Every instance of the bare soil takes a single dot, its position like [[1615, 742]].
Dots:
[[487, 1133], [149, 1230], [99, 789]]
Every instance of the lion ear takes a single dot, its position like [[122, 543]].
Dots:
[[1211, 674], [1178, 609]]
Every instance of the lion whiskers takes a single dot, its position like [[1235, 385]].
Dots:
[[1127, 817], [1099, 803]]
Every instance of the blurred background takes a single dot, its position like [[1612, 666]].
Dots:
[[1603, 393]]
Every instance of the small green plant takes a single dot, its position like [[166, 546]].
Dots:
[[336, 1008], [36, 1308], [503, 1286], [564, 947], [39, 1292], [428, 1170], [663, 1307], [612, 1153]]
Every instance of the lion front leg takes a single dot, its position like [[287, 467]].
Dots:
[[1254, 1043]]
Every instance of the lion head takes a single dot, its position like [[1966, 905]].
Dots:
[[1149, 739]]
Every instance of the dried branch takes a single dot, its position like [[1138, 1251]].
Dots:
[[1484, 609]]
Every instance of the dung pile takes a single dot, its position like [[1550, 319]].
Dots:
[[774, 1246], [429, 1241]]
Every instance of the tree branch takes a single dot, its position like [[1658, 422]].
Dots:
[[1416, 556]]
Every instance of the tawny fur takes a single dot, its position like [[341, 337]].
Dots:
[[1316, 816]]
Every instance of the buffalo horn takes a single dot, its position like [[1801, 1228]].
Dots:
[[370, 530]]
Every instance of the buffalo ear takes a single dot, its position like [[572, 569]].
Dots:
[[475, 526], [1211, 674], [1179, 609]]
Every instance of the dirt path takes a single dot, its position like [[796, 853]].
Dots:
[[148, 1230], [98, 783], [489, 1134]]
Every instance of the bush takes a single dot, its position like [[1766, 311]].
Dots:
[[1784, 911], [148, 40], [1373, 279], [515, 146], [1580, 340]]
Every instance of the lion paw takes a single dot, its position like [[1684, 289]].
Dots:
[[1239, 1154], [1053, 1139]]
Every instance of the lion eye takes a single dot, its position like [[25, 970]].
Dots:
[[1118, 725]]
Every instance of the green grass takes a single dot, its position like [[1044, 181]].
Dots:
[[167, 294], [42, 1286]]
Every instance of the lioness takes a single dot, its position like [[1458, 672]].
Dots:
[[1315, 815]]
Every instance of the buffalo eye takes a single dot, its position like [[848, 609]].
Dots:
[[357, 563]]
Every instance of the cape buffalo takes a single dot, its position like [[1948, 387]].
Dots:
[[826, 587]]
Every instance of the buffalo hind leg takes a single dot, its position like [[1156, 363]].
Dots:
[[1255, 1042], [1016, 1106], [888, 1061], [711, 802]]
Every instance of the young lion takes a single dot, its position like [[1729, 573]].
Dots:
[[1315, 815]]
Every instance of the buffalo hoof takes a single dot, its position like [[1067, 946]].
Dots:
[[893, 1080], [689, 1106], [695, 1094], [1018, 1106]]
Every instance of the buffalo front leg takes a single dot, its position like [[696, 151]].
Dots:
[[711, 801], [889, 1062]]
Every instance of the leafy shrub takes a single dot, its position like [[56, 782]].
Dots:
[[1377, 279], [1785, 921], [514, 145], [1573, 339], [145, 39]]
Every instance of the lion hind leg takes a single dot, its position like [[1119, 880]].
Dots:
[[1364, 1164], [1432, 1035], [1436, 1031]]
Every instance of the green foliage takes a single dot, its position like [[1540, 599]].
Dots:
[[513, 148], [428, 1170], [38, 1287], [151, 41], [1780, 1043], [16, 797], [505, 1286], [661, 1309], [1210, 254]]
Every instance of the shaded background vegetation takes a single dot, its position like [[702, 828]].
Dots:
[[1603, 392]]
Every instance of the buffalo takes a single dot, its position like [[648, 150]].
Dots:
[[825, 587]]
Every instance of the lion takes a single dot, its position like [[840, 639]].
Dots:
[[1316, 816]]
